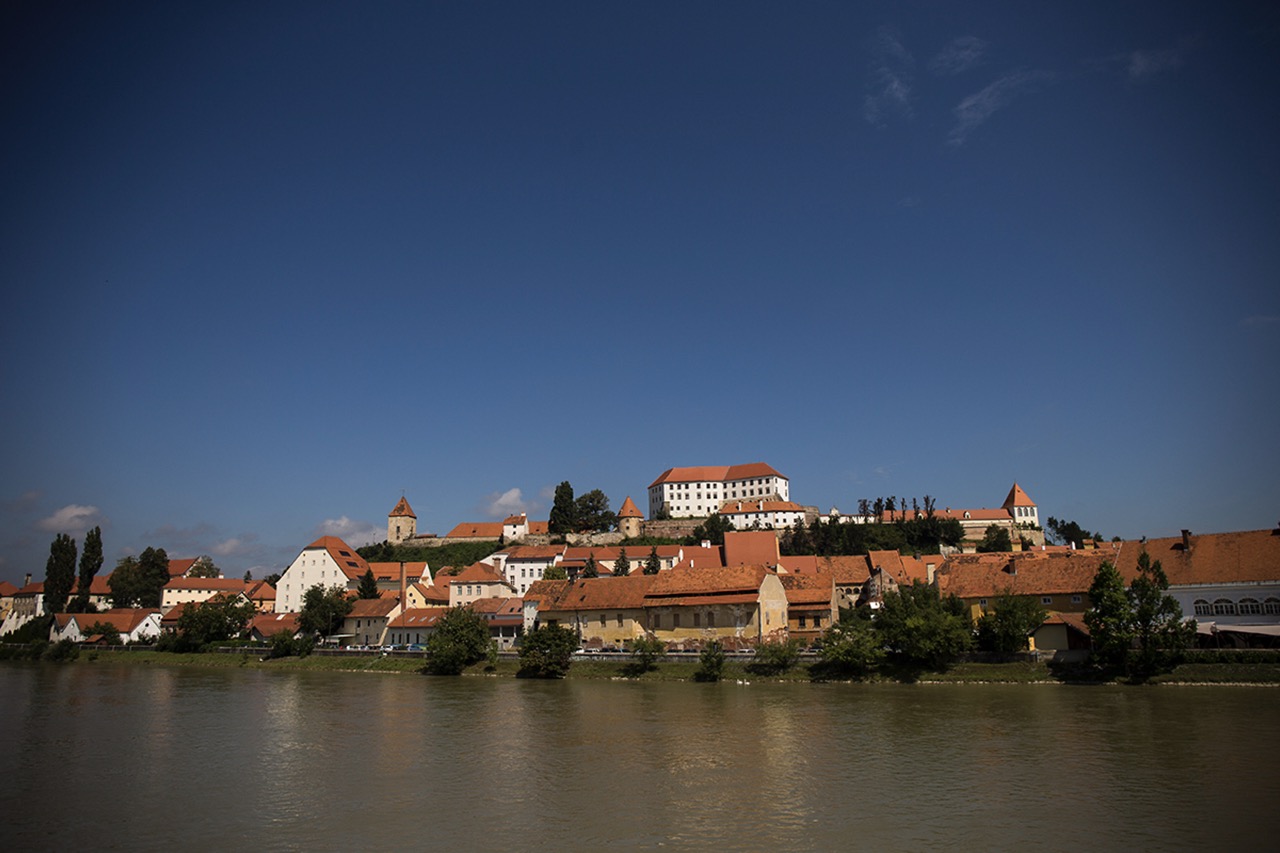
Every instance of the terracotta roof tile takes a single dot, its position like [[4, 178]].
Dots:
[[402, 510], [351, 563], [751, 547], [711, 580], [418, 617], [629, 509], [476, 530], [390, 571], [715, 473], [595, 593], [372, 608], [1243, 557], [971, 576], [1017, 497]]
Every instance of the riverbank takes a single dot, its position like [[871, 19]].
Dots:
[[962, 673]]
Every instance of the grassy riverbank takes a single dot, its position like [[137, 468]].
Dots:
[[963, 673]]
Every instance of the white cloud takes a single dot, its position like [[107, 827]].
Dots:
[[510, 502], [960, 55], [73, 519], [354, 533], [236, 545], [890, 86], [980, 106]]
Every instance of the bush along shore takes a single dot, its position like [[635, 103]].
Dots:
[[1252, 667]]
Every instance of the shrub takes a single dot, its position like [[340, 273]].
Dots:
[[63, 650], [850, 648], [547, 652], [460, 639], [710, 662], [646, 652], [774, 657]]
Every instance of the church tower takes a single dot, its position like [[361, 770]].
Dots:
[[402, 524], [629, 519]]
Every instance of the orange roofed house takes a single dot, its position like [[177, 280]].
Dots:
[[700, 491], [326, 562]]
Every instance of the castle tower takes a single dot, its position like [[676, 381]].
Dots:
[[402, 524], [629, 518], [1021, 507]]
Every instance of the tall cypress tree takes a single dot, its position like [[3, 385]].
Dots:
[[153, 566], [59, 573], [562, 519], [90, 563]]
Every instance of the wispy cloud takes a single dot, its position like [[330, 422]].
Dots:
[[1261, 320], [73, 519], [236, 546], [188, 541], [1142, 65], [354, 533], [503, 504], [23, 503], [889, 91], [974, 110], [959, 55]]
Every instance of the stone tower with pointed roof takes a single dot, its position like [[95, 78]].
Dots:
[[629, 519], [1021, 507], [402, 524]]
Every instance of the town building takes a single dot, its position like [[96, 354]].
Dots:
[[402, 523], [630, 519], [767, 515], [700, 491], [326, 562]]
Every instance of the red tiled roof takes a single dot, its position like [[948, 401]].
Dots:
[[971, 576], [390, 571], [609, 553], [715, 473], [372, 608], [711, 580], [629, 509], [476, 530], [545, 591], [402, 510], [261, 591], [1017, 497], [433, 592], [478, 573], [1243, 557], [351, 563], [751, 548], [738, 507], [7, 589], [124, 619], [594, 593], [268, 624], [533, 552], [418, 617], [177, 568], [808, 589], [216, 584]]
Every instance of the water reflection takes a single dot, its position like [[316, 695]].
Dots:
[[284, 761]]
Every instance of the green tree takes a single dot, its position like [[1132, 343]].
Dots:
[[589, 568], [59, 573], [645, 653], [90, 563], [125, 583], [1109, 619], [563, 518], [712, 530], [214, 621], [110, 633], [323, 610], [203, 567], [592, 514], [368, 585], [1005, 629], [995, 539], [849, 648], [554, 573], [273, 579], [710, 662], [1159, 633], [153, 572], [653, 565], [460, 639], [774, 657], [547, 652], [1063, 532], [622, 566], [248, 576], [921, 630]]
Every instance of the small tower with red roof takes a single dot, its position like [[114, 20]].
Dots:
[[629, 519], [402, 524]]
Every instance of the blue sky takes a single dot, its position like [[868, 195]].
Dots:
[[269, 266]]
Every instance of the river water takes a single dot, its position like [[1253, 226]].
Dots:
[[103, 756]]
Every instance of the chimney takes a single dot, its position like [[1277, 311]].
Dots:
[[403, 587], [1186, 540], [27, 582]]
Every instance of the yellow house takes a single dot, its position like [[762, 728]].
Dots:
[[603, 611], [744, 602]]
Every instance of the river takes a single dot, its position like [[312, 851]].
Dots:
[[110, 756]]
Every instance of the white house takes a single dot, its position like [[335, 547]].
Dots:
[[183, 589], [700, 491], [136, 625], [327, 562], [770, 515], [521, 565]]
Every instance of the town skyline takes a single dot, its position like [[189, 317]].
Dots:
[[268, 268]]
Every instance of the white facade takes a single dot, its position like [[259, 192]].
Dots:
[[767, 515], [523, 566], [318, 564], [698, 492], [1230, 603]]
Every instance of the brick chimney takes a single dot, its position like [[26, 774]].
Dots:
[[1186, 540]]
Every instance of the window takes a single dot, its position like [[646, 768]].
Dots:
[[982, 602], [1271, 606], [1046, 599], [1250, 607], [697, 620], [1201, 607], [1075, 599], [1224, 607], [711, 618], [675, 620], [817, 620], [619, 620], [802, 621]]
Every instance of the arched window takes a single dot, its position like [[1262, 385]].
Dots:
[[1250, 607], [1202, 607], [1224, 607], [1271, 606]]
